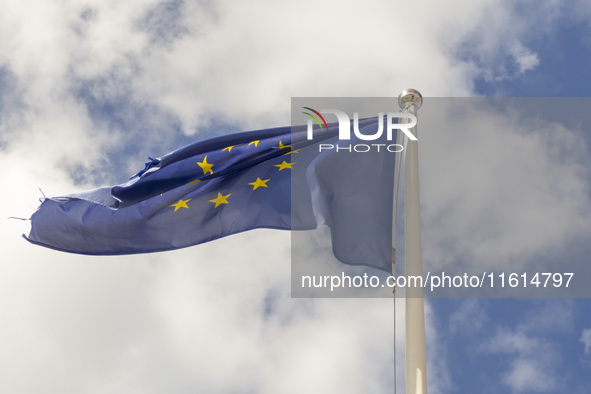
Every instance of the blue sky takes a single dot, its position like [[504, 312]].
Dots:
[[563, 64], [89, 89]]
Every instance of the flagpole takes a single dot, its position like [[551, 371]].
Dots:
[[397, 166], [410, 101]]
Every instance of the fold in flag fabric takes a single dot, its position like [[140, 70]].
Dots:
[[275, 178]]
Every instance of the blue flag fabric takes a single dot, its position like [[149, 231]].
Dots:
[[273, 178]]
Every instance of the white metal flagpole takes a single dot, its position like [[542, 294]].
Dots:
[[397, 166], [410, 101]]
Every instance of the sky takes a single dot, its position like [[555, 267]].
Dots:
[[89, 89]]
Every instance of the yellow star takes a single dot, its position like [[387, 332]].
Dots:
[[229, 148], [281, 146], [259, 183], [181, 204], [284, 165], [220, 199], [195, 181], [205, 166], [256, 143], [292, 151]]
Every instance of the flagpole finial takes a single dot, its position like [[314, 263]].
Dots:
[[410, 97]]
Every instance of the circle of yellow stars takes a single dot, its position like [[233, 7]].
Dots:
[[258, 183]]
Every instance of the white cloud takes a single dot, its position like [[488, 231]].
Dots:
[[195, 318], [187, 319], [533, 357], [525, 58], [499, 189], [549, 317], [239, 63], [469, 316], [439, 378], [526, 375], [531, 362], [586, 339]]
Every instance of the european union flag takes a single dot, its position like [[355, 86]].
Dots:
[[275, 178]]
